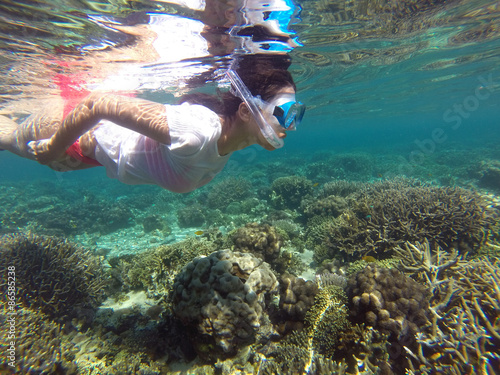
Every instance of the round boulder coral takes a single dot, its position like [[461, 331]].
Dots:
[[224, 296], [296, 298], [388, 300]]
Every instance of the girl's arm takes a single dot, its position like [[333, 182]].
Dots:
[[142, 116]]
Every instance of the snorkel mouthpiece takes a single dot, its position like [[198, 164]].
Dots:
[[253, 103]]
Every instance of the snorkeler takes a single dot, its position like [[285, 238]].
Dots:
[[178, 147]]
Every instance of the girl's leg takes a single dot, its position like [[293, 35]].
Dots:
[[14, 137], [7, 129]]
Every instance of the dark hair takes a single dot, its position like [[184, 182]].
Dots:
[[264, 75]]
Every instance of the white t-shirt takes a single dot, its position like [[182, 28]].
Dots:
[[190, 161]]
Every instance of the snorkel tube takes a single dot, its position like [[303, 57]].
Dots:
[[253, 102]]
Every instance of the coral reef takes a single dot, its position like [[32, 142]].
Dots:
[[352, 166], [387, 300], [296, 298], [288, 192], [392, 303], [92, 216], [52, 275], [328, 343], [341, 188], [223, 297], [386, 214], [489, 174], [260, 239], [154, 270], [41, 346], [192, 215], [228, 191], [463, 336], [155, 222], [332, 206]]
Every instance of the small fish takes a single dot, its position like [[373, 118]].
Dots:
[[369, 259], [315, 184], [199, 232], [380, 175]]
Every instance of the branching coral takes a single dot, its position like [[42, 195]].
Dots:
[[385, 215], [154, 270], [40, 345], [464, 334], [52, 275]]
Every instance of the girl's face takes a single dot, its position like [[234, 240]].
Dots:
[[273, 121]]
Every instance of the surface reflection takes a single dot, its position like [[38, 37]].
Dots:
[[169, 46]]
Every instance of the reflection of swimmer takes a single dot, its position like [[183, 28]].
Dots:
[[178, 147]]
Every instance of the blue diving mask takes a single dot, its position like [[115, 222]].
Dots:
[[283, 110], [287, 110]]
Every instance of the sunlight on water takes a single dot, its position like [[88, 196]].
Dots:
[[347, 56]]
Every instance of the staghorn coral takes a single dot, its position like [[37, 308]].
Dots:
[[463, 336], [40, 345], [288, 192], [54, 276], [223, 298], [386, 214]]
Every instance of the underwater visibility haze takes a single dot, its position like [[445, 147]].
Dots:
[[368, 244]]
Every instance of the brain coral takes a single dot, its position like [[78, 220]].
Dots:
[[224, 296], [52, 275]]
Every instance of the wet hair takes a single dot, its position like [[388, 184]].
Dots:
[[264, 75]]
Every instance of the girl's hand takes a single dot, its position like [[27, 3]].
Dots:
[[40, 150]]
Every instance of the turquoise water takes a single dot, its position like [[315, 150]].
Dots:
[[393, 89]]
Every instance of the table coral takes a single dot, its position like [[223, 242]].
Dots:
[[224, 296]]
